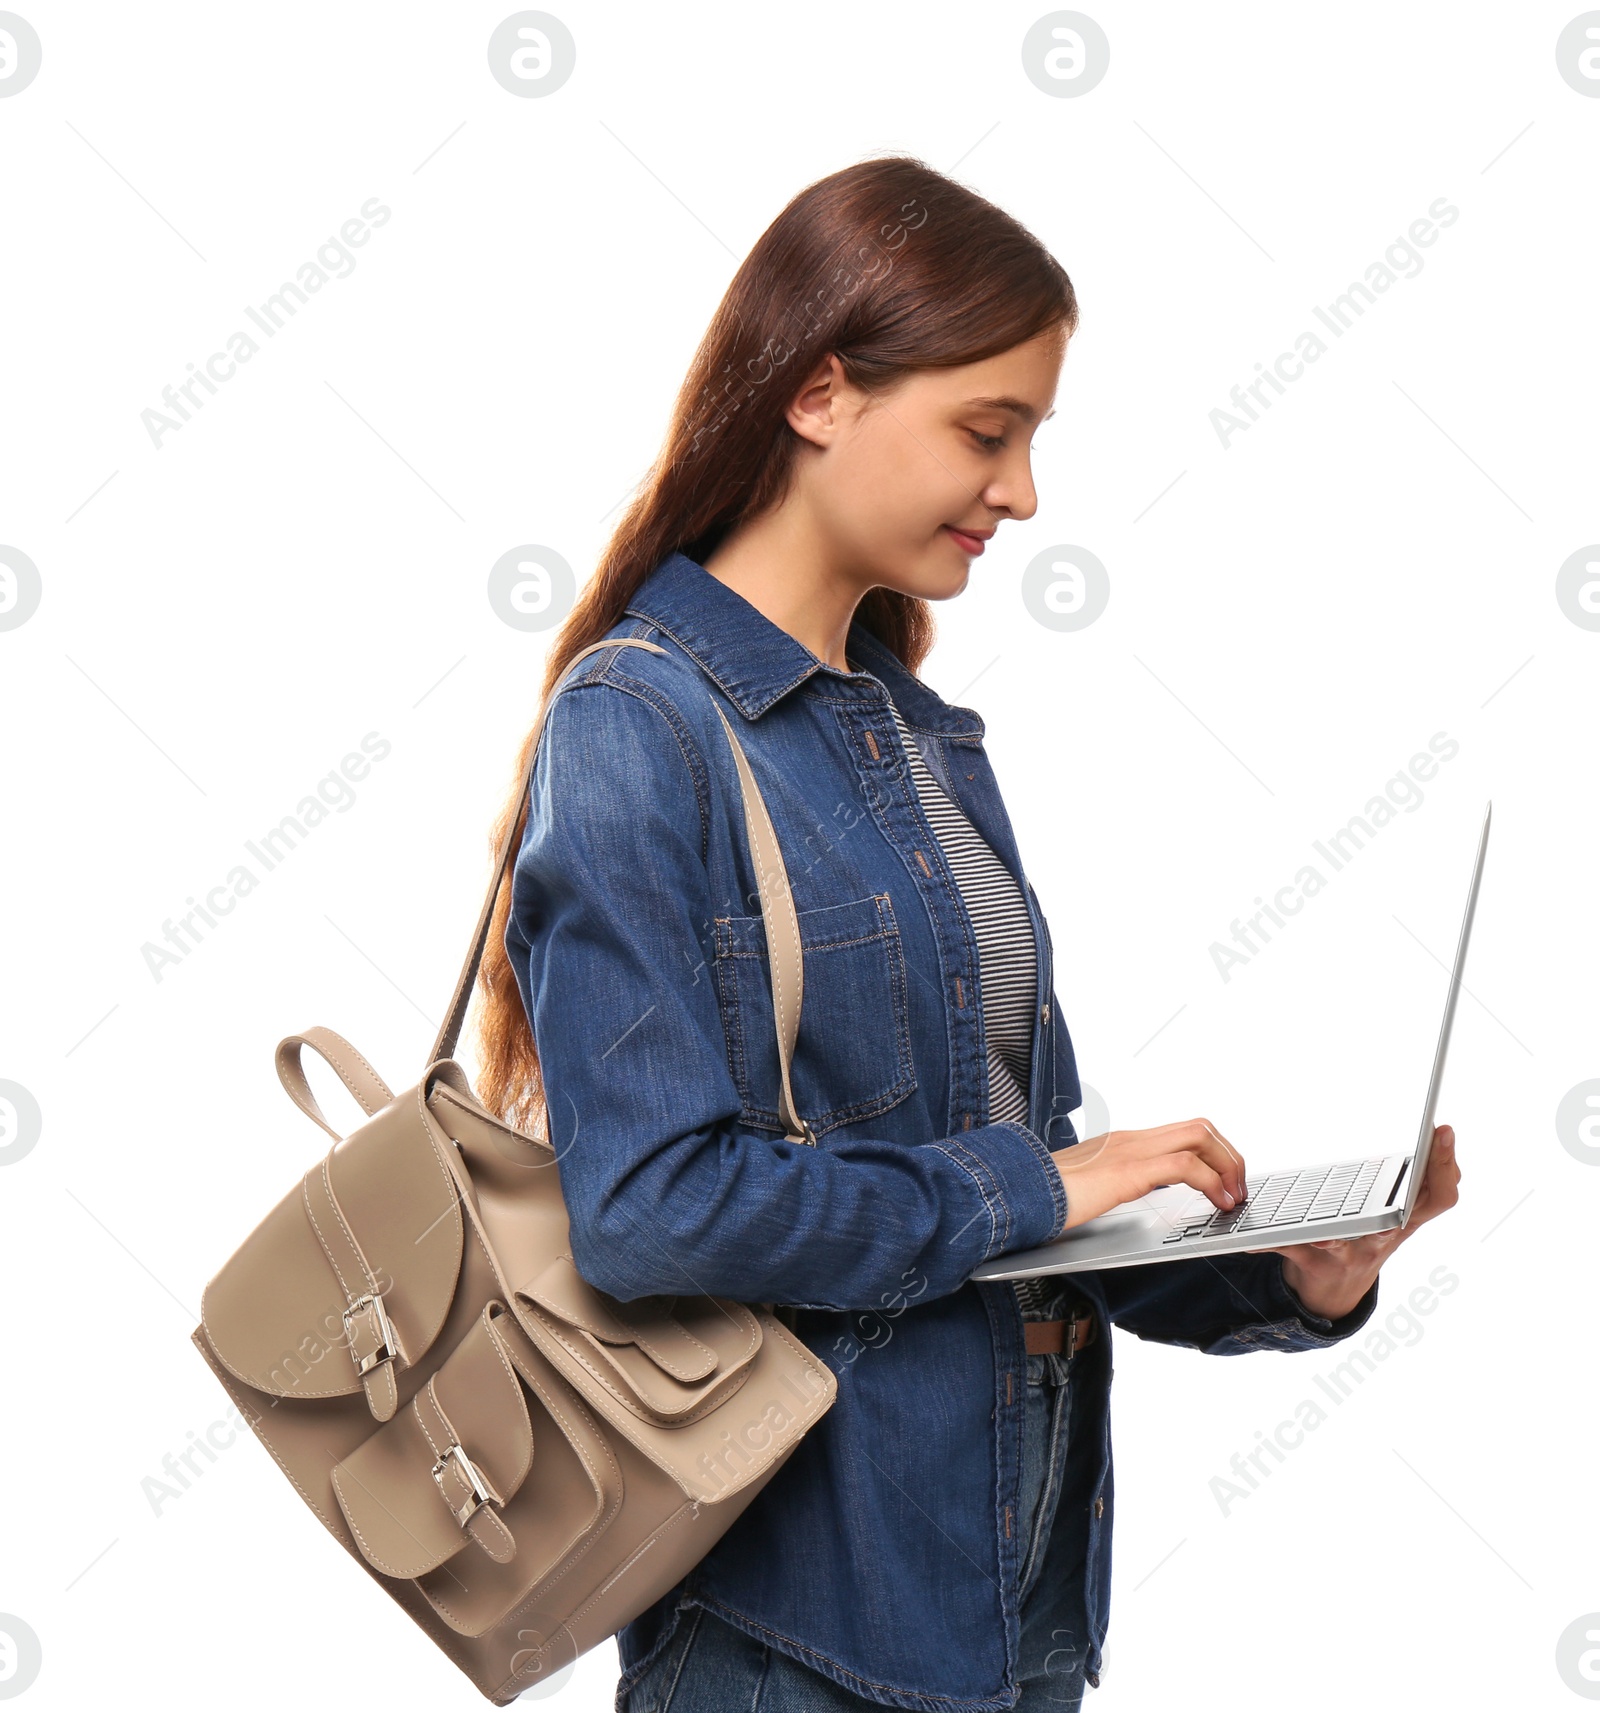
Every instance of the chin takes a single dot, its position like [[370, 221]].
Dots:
[[929, 578], [945, 582]]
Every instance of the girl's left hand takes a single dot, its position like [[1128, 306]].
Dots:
[[1332, 1276]]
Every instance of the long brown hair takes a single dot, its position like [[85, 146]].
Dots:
[[888, 264]]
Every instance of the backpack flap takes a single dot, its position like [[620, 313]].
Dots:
[[347, 1281], [667, 1359]]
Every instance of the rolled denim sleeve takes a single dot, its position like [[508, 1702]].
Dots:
[[611, 937], [1223, 1305]]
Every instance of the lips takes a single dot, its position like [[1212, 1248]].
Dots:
[[969, 544]]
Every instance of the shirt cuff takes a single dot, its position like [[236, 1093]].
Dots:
[[1324, 1330], [1030, 1182]]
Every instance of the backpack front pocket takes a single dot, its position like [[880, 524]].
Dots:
[[486, 1485], [852, 1057]]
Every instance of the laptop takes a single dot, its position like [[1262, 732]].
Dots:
[[1304, 1204]]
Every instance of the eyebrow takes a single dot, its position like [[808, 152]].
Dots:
[[1017, 407]]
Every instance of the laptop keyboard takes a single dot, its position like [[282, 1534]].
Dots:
[[1283, 1199]]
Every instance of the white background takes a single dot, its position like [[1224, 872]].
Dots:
[[1291, 619]]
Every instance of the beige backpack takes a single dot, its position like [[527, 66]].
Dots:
[[523, 1462]]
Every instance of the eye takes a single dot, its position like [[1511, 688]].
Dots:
[[989, 442]]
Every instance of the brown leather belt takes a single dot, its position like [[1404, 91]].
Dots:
[[1043, 1335]]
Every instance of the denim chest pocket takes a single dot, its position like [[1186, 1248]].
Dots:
[[852, 1057]]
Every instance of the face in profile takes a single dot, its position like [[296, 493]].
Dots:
[[905, 484]]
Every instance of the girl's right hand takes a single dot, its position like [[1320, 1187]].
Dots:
[[1123, 1165]]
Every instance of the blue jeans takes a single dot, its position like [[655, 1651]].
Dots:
[[709, 1666]]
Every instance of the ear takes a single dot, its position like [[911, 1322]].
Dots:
[[815, 413]]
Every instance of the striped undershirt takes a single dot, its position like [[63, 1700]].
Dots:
[[1007, 973]]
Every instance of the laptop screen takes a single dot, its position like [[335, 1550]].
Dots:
[[1419, 1159]]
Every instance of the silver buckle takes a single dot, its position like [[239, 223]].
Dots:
[[387, 1346], [1069, 1337], [482, 1493]]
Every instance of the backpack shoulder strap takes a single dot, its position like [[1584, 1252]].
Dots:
[[784, 957], [785, 961]]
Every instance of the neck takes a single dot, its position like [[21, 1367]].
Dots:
[[781, 566]]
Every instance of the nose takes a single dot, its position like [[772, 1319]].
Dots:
[[1012, 494]]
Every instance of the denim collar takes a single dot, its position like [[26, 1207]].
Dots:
[[756, 662]]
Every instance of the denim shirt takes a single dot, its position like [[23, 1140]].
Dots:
[[885, 1552]]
